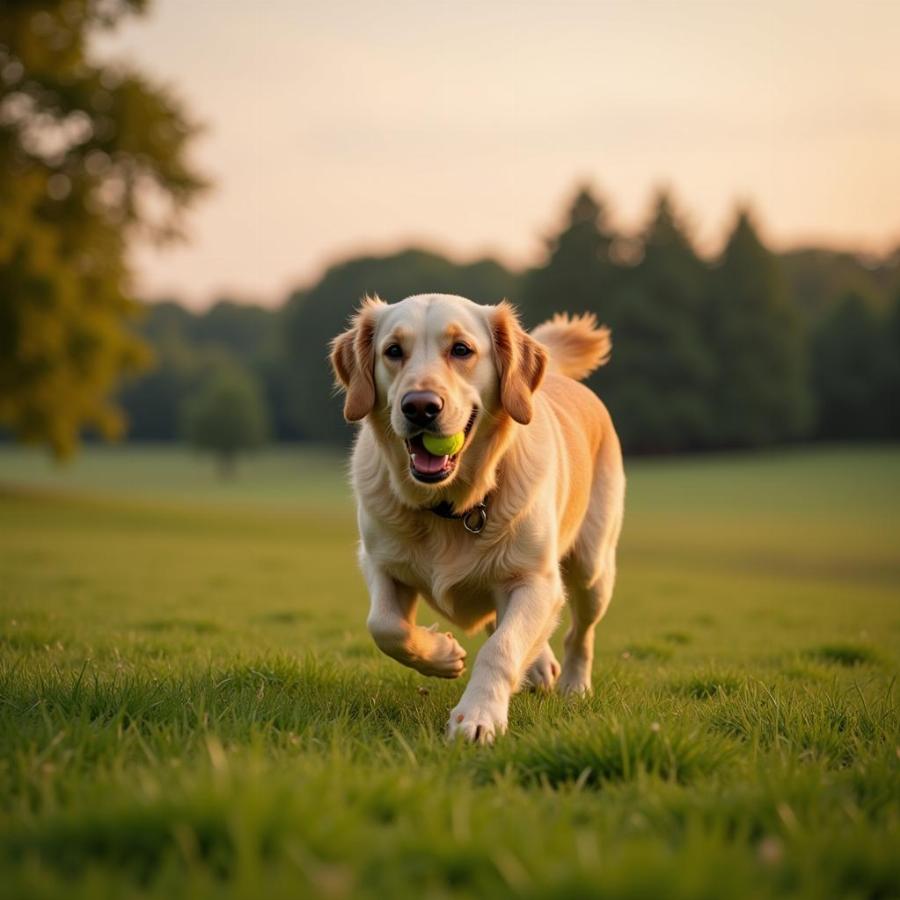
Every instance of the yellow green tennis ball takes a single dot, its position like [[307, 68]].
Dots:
[[444, 446]]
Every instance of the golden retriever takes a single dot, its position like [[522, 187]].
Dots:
[[498, 535]]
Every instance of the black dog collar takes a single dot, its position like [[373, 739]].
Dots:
[[473, 519]]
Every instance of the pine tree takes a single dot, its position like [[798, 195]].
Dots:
[[761, 393], [578, 274], [852, 365], [889, 391], [657, 384]]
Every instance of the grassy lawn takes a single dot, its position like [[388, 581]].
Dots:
[[190, 705]]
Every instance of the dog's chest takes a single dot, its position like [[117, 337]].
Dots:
[[457, 575]]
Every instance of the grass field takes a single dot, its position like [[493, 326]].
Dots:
[[190, 705]]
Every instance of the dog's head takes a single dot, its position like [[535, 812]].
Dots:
[[436, 365]]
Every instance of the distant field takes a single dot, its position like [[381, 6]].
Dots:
[[190, 705]]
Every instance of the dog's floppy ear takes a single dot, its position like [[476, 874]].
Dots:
[[521, 363], [353, 361]]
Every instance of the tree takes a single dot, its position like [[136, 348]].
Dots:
[[226, 415], [657, 383], [852, 365], [578, 274], [890, 388], [761, 392], [818, 279], [185, 345], [91, 156]]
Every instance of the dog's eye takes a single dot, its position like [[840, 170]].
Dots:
[[461, 350], [394, 351]]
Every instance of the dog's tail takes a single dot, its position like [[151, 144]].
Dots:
[[577, 344]]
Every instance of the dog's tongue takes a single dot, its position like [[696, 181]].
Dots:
[[427, 463]]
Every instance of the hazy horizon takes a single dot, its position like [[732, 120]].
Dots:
[[360, 127]]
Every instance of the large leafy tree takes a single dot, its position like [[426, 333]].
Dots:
[[92, 154], [761, 393]]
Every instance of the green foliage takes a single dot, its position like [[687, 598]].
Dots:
[[853, 362], [226, 415], [657, 384], [90, 155], [704, 356], [579, 273], [761, 394], [891, 373], [186, 346], [190, 705], [818, 279], [717, 354]]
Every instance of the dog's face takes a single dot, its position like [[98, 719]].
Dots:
[[436, 365]]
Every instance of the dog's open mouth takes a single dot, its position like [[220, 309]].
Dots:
[[432, 468]]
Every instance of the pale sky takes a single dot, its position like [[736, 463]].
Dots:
[[350, 125]]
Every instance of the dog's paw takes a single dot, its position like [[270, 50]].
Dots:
[[576, 676], [444, 658], [477, 723], [575, 684], [543, 672]]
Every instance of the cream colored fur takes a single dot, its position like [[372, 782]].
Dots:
[[544, 453]]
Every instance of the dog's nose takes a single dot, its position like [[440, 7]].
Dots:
[[421, 407]]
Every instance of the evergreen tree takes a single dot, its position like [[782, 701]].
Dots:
[[890, 384], [90, 154], [761, 393], [657, 383], [852, 367], [578, 274]]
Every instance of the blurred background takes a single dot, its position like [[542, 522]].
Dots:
[[195, 195]]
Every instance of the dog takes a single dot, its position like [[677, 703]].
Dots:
[[498, 535]]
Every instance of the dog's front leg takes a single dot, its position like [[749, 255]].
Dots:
[[527, 613], [392, 624]]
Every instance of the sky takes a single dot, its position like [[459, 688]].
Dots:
[[338, 127]]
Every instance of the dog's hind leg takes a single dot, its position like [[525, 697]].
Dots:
[[588, 601], [543, 672], [392, 624], [589, 571]]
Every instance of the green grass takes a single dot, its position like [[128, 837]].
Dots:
[[190, 705]]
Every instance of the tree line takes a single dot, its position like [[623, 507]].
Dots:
[[747, 349]]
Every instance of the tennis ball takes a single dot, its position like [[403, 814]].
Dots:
[[444, 446]]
